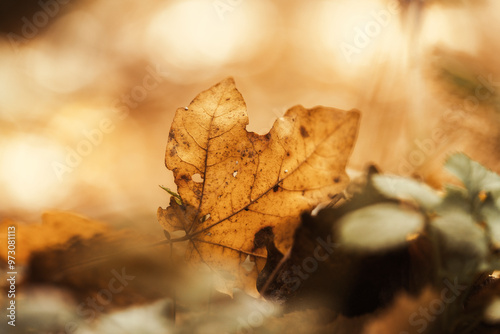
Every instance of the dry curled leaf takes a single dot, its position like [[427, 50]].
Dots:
[[233, 183], [56, 228]]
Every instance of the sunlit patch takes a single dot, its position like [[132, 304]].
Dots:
[[74, 120], [449, 27], [13, 88], [27, 174], [347, 36], [77, 59], [412, 236], [193, 35]]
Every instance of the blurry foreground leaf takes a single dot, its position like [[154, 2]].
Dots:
[[492, 313], [56, 228], [406, 189], [379, 226]]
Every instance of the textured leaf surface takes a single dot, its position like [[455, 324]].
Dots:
[[233, 183]]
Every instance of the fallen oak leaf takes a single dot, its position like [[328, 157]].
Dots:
[[248, 181]]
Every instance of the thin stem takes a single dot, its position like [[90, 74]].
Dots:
[[275, 271], [174, 297]]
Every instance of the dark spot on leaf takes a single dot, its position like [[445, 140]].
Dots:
[[336, 179], [185, 177], [268, 135], [304, 132], [228, 99], [246, 209], [172, 152], [264, 237], [276, 188]]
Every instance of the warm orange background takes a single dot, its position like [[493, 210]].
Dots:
[[69, 70]]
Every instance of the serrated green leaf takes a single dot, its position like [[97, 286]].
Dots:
[[473, 175], [402, 188], [379, 227]]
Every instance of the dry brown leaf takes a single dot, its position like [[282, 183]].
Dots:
[[57, 228], [246, 181]]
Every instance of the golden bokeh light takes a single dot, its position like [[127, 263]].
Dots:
[[197, 36], [135, 63], [26, 173]]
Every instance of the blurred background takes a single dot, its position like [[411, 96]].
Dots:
[[88, 88]]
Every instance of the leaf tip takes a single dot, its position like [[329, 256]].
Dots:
[[228, 81]]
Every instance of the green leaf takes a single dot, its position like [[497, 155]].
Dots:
[[402, 188], [176, 196], [473, 175], [455, 198], [379, 227], [463, 243], [482, 197]]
